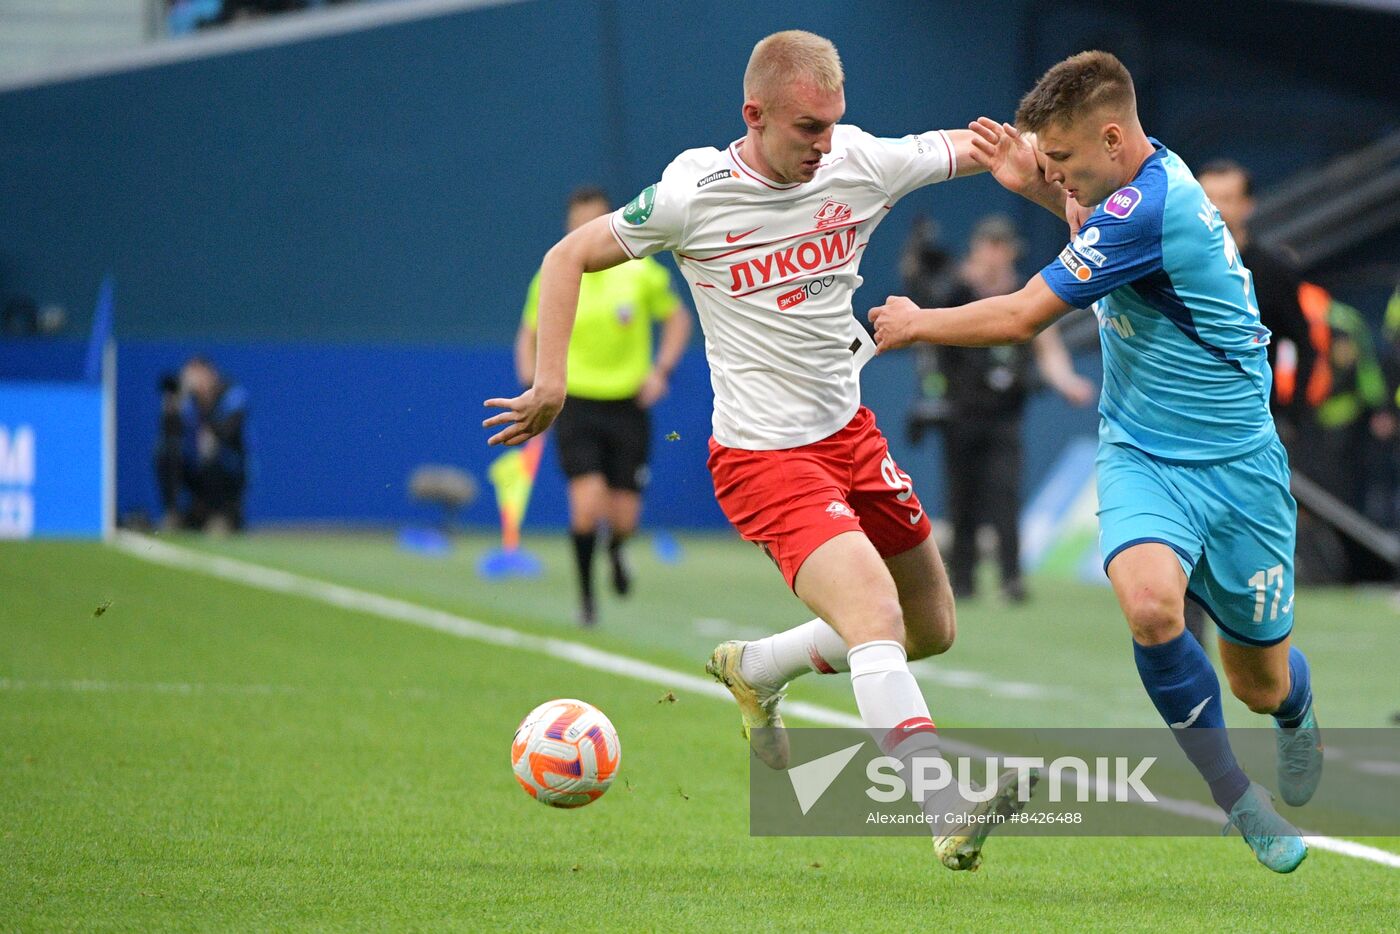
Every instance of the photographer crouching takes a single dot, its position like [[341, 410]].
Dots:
[[201, 458]]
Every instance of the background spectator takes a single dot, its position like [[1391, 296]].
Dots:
[[1276, 281], [1384, 501], [201, 455], [1331, 402], [983, 391]]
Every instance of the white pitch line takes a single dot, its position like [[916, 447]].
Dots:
[[362, 601], [190, 689], [93, 686]]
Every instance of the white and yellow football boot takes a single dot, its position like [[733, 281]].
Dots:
[[960, 848], [762, 724]]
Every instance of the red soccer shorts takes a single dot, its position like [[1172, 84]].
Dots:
[[791, 502]]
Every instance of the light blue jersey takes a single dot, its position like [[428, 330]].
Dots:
[[1186, 378]]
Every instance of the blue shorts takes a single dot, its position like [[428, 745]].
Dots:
[[1231, 524]]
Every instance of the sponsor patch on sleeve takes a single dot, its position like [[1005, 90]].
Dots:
[[1084, 246], [1122, 202], [639, 209], [1076, 266]]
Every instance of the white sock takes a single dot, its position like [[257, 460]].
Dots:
[[776, 660], [892, 707], [891, 704]]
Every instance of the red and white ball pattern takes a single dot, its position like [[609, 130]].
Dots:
[[565, 753]]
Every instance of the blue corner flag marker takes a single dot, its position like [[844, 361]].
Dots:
[[500, 564], [425, 541], [667, 549]]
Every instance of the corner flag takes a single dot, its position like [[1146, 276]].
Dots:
[[513, 477]]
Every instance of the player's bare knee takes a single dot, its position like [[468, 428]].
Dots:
[[925, 645], [935, 639], [1154, 616]]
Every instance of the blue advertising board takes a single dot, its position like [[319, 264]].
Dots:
[[55, 476]]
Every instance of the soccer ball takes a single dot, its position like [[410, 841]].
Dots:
[[565, 753]]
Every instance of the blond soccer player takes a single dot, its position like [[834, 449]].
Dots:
[[769, 231]]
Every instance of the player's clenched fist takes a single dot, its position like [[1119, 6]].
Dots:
[[895, 323], [525, 416]]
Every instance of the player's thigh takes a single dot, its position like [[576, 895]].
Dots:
[[788, 502], [926, 598], [1246, 578], [628, 445], [1150, 538], [845, 582], [1150, 584], [1142, 500]]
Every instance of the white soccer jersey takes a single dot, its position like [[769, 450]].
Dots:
[[773, 269]]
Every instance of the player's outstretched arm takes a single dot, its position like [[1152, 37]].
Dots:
[[964, 157], [525, 351], [1010, 156], [1000, 319], [587, 249]]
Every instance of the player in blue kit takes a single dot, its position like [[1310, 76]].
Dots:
[[1192, 479]]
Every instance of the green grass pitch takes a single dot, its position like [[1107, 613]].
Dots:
[[204, 755]]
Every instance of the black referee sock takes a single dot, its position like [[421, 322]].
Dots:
[[584, 543], [621, 575]]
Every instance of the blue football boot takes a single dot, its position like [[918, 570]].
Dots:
[[1276, 843]]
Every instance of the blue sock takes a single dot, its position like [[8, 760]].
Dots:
[[1184, 689], [1295, 706]]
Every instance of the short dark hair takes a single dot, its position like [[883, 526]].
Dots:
[[587, 194], [1076, 86], [1229, 167]]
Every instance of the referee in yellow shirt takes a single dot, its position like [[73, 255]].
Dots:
[[604, 431]]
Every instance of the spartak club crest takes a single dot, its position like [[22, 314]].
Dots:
[[831, 213]]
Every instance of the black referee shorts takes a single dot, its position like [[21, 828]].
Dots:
[[610, 437]]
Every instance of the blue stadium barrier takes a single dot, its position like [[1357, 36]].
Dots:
[[56, 461], [52, 481]]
